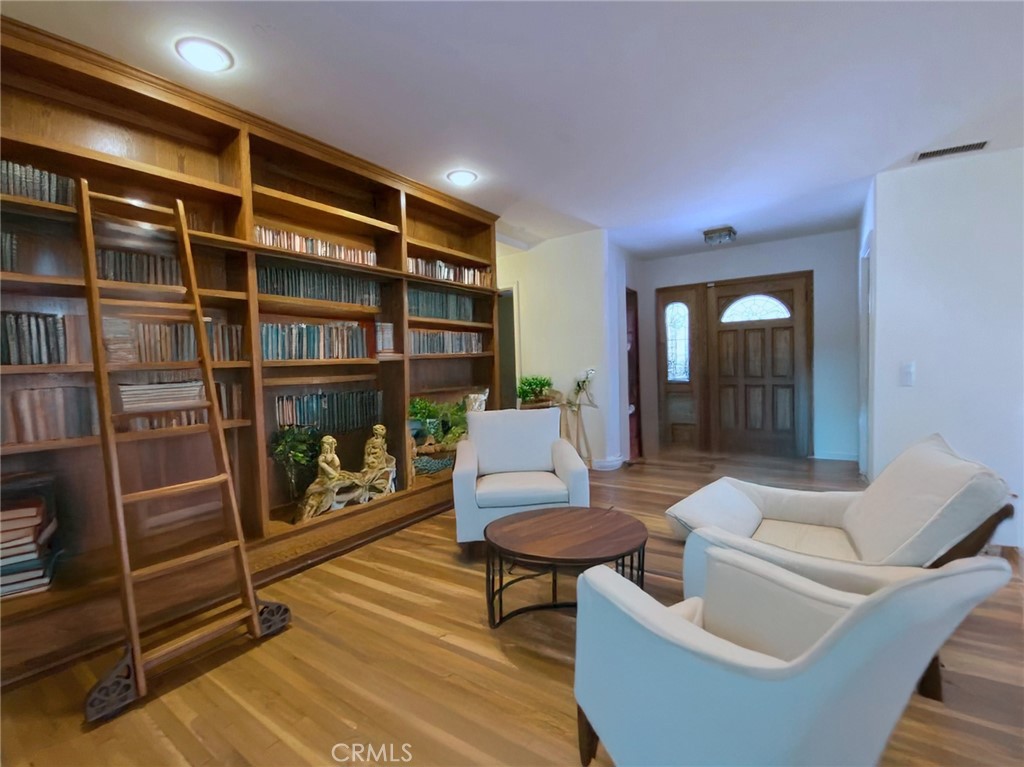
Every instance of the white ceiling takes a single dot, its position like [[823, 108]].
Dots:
[[652, 120]]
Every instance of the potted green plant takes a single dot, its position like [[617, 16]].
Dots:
[[533, 390], [295, 449]]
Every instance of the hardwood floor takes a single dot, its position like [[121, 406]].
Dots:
[[389, 645]]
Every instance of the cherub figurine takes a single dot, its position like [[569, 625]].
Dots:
[[322, 493], [334, 487]]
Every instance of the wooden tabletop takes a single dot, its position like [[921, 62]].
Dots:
[[571, 535]]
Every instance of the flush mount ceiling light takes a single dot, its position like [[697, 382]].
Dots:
[[720, 235], [462, 177], [204, 54]]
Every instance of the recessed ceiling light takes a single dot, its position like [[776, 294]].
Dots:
[[204, 54], [462, 177]]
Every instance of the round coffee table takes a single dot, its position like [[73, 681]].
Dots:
[[566, 538]]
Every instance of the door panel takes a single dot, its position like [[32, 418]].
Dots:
[[679, 410], [636, 449], [760, 373]]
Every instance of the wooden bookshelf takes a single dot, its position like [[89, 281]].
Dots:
[[134, 136]]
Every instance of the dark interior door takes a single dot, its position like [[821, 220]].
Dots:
[[636, 446]]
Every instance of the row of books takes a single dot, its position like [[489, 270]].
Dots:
[[229, 396], [281, 238], [30, 338], [445, 342], [129, 340], [330, 412], [35, 183], [133, 266], [318, 284], [37, 415], [385, 337], [301, 341], [440, 270], [440, 305], [28, 550], [9, 251]]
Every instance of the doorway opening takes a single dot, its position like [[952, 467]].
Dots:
[[734, 365], [636, 443], [507, 350]]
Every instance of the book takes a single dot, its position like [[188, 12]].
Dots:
[[29, 508], [31, 579]]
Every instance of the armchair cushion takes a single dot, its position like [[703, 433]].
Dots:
[[514, 440], [521, 488], [819, 540], [725, 503], [926, 500]]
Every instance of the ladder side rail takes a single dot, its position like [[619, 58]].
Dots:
[[108, 438], [220, 451]]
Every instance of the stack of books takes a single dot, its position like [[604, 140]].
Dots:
[[330, 412], [281, 238], [301, 341], [128, 340], [30, 338], [38, 415], [27, 550], [441, 270], [440, 305], [385, 337], [445, 342], [9, 252], [36, 184], [132, 266], [138, 397], [317, 283]]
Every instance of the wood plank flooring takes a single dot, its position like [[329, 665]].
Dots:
[[389, 645]]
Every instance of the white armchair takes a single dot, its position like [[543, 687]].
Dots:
[[768, 668], [512, 461], [928, 507]]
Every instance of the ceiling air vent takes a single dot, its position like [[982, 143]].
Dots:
[[951, 150]]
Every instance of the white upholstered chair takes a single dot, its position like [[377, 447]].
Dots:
[[768, 668], [512, 461], [927, 507]]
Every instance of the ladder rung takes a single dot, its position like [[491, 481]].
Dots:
[[169, 491], [196, 637], [169, 431], [178, 407], [127, 304], [168, 565], [114, 199]]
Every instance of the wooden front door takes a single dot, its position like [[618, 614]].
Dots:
[[759, 365]]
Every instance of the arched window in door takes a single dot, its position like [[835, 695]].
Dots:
[[677, 342], [754, 308]]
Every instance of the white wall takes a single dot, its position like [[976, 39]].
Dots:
[[948, 294], [567, 322], [833, 259]]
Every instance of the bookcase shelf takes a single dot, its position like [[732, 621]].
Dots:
[[37, 285], [317, 363], [79, 161], [274, 203], [454, 356], [75, 113], [10, 203], [74, 367], [424, 249], [311, 307], [18, 448], [436, 322], [449, 285]]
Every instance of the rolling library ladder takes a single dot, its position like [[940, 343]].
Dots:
[[126, 681]]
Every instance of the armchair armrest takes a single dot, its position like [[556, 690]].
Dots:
[[852, 577], [569, 468], [464, 475]]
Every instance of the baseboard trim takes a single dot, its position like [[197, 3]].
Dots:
[[606, 464], [835, 456]]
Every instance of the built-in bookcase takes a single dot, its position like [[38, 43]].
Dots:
[[291, 238]]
